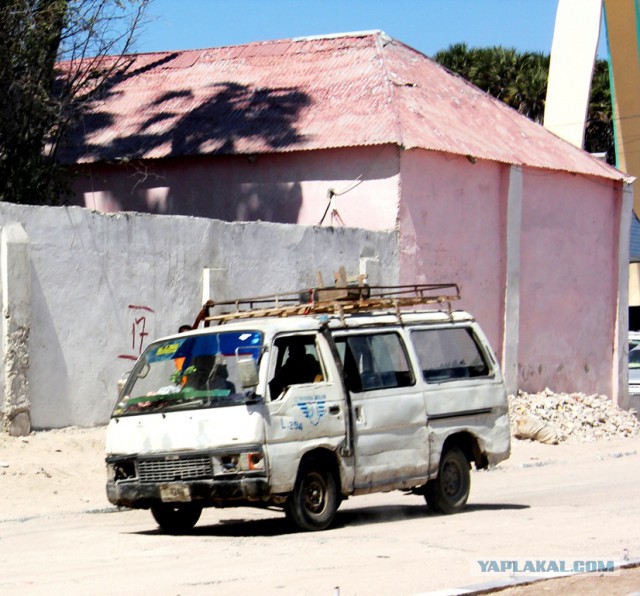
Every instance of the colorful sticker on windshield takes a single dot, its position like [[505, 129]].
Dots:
[[165, 351]]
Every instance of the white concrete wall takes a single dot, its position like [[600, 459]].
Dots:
[[103, 286]]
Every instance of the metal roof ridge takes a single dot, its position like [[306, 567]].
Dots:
[[392, 93], [364, 33]]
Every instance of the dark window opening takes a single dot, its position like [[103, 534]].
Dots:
[[374, 361], [297, 362]]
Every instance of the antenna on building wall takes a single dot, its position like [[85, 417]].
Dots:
[[331, 203]]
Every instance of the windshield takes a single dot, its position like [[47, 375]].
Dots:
[[190, 372]]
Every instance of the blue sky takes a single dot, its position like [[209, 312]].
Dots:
[[426, 25]]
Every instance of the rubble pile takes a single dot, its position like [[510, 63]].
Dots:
[[551, 417]]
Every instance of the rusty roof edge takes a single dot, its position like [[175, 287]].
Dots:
[[608, 171], [596, 160]]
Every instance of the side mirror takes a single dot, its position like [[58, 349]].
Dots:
[[248, 372]]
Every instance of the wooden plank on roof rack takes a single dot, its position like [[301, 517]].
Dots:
[[336, 300]]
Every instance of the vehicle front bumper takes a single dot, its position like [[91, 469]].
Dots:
[[219, 493]]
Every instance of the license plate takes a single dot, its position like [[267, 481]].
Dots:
[[175, 493]]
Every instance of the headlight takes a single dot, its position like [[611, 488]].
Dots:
[[121, 470], [233, 463]]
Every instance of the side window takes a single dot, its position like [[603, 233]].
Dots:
[[296, 362], [374, 361], [448, 354]]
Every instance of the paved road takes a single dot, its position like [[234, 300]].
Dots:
[[562, 502]]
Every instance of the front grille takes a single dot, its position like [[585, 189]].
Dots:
[[183, 468]]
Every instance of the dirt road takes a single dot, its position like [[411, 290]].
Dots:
[[58, 534]]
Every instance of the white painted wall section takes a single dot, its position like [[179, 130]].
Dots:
[[512, 284], [620, 372], [104, 286]]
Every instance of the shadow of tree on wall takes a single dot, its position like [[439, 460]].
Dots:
[[224, 118], [210, 120]]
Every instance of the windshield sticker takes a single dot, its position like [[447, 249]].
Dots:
[[165, 351], [313, 407], [168, 349]]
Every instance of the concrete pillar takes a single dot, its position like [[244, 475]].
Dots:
[[15, 267], [371, 268], [620, 367], [214, 284], [512, 282]]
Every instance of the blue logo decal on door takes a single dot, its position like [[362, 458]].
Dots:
[[313, 408]]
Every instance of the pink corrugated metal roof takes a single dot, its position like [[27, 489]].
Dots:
[[311, 93]]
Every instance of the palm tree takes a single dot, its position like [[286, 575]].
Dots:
[[599, 132], [519, 79]]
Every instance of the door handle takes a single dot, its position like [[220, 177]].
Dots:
[[334, 410]]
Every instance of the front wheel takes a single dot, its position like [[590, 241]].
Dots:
[[176, 519], [313, 503], [448, 493]]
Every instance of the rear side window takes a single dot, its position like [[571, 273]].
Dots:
[[449, 354], [374, 361]]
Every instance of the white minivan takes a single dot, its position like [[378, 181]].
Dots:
[[300, 407]]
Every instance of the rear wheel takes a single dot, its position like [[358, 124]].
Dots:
[[176, 519], [313, 503], [448, 493]]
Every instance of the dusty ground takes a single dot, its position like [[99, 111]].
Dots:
[[63, 471], [48, 471]]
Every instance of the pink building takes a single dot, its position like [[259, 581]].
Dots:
[[362, 130]]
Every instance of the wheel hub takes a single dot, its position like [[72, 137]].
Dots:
[[314, 497], [451, 480]]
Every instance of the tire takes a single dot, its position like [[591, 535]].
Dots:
[[313, 503], [176, 519], [448, 493]]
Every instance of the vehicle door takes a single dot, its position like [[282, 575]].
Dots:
[[463, 385], [305, 401], [390, 436]]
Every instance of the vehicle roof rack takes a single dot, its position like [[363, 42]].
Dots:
[[334, 300]]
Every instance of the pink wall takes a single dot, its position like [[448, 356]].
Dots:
[[569, 282], [452, 229], [285, 188]]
